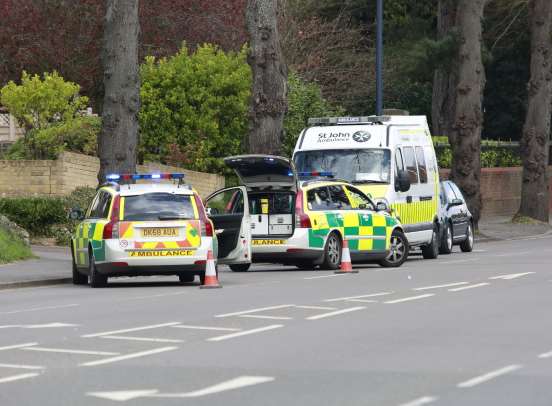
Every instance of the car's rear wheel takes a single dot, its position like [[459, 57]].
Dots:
[[398, 250], [95, 279], [240, 267], [446, 241], [431, 250], [332, 252], [78, 278], [186, 277], [467, 244]]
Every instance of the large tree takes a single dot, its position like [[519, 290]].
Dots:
[[458, 93], [119, 136], [536, 131], [269, 88]]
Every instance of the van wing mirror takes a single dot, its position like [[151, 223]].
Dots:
[[382, 206], [402, 181], [456, 202], [76, 214]]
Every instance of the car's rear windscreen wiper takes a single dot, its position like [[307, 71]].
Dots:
[[175, 217]]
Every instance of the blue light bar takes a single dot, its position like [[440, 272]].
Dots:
[[113, 176], [324, 174]]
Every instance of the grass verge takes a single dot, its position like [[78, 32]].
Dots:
[[12, 248]]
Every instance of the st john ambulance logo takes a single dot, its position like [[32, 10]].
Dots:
[[362, 136]]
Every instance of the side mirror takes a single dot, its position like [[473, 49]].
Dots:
[[211, 211], [76, 214], [402, 181], [382, 206], [456, 202], [362, 206]]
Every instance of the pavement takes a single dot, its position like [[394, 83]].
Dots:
[[502, 228], [464, 329]]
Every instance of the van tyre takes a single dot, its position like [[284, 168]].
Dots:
[[95, 279], [431, 251], [186, 278], [332, 252], [240, 267], [78, 278], [467, 244], [446, 241], [398, 251]]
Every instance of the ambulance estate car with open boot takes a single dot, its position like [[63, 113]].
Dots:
[[390, 158], [150, 228], [301, 222]]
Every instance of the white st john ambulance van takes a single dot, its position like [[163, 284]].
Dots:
[[391, 158]]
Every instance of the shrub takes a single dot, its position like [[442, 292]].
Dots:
[[35, 214], [12, 248]]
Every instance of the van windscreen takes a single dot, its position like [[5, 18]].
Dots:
[[372, 165]]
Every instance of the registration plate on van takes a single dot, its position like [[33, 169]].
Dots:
[[267, 242], [160, 232]]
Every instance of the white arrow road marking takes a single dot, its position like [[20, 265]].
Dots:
[[477, 285], [447, 285], [408, 299], [260, 309], [146, 339], [488, 376], [127, 356], [336, 313], [69, 351], [337, 299], [232, 384], [546, 355], [130, 330], [511, 276], [207, 328], [421, 401], [245, 333], [18, 366], [18, 377], [15, 346], [260, 316], [49, 325], [35, 309]]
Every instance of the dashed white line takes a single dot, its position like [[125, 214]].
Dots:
[[489, 376], [477, 285], [130, 330], [336, 313], [21, 366], [316, 307], [511, 276], [69, 351], [35, 309], [410, 298], [420, 401], [546, 355], [459, 261], [16, 346], [260, 316], [362, 301], [232, 384], [260, 309], [337, 299], [19, 377], [245, 333], [127, 356], [447, 285], [324, 276], [146, 339], [206, 328], [513, 254]]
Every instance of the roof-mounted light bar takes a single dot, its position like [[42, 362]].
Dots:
[[318, 121], [116, 177], [322, 174]]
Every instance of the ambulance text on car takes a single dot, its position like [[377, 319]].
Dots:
[[390, 158]]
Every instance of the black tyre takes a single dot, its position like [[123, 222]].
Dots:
[[467, 244], [186, 277], [332, 252], [398, 251], [431, 251], [95, 279], [306, 265], [240, 267], [446, 240], [78, 278]]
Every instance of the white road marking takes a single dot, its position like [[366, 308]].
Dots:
[[260, 309], [33, 326], [316, 307], [479, 251], [458, 261], [21, 366], [420, 401], [324, 276], [511, 276], [260, 316], [410, 298], [335, 313], [127, 356], [361, 301], [35, 309], [130, 330], [337, 299], [232, 384], [16, 346], [245, 333], [513, 254], [477, 285], [19, 377], [447, 285], [488, 376], [147, 339], [69, 351], [206, 328], [546, 355]]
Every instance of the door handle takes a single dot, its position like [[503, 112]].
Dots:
[[408, 199]]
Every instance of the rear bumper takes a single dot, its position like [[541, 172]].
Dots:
[[120, 269], [293, 249]]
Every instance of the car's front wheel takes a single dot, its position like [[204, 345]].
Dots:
[[95, 279], [398, 250], [332, 252], [446, 242], [240, 267], [467, 244], [431, 250]]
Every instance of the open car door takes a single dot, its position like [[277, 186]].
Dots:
[[228, 209]]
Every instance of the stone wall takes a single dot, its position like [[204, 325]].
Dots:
[[70, 170]]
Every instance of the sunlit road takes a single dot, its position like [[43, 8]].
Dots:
[[466, 329]]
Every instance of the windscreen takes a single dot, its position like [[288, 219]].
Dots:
[[353, 165], [158, 206]]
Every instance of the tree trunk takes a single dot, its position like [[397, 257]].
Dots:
[[536, 131], [457, 106], [269, 90], [119, 136]]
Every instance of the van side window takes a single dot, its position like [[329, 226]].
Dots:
[[319, 199], [399, 166], [422, 167], [340, 201], [410, 163]]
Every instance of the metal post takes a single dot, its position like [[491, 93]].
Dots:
[[379, 58]]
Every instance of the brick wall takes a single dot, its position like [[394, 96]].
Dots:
[[500, 190], [70, 170]]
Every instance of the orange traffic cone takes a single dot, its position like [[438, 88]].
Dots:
[[211, 280], [346, 265]]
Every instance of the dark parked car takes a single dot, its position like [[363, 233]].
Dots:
[[456, 219]]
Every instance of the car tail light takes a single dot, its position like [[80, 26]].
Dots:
[[302, 220], [206, 226], [111, 229]]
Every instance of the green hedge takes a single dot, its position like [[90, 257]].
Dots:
[[494, 153]]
